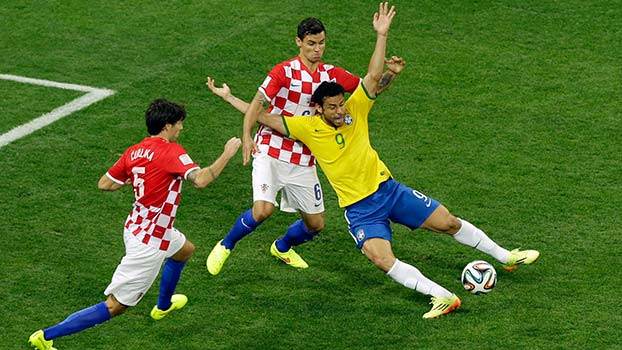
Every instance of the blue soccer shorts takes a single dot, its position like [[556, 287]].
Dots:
[[370, 217]]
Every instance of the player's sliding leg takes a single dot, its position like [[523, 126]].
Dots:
[[244, 225], [466, 233], [76, 322], [298, 233], [379, 252], [171, 273]]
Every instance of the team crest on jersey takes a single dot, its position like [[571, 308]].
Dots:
[[264, 188], [360, 234], [347, 119]]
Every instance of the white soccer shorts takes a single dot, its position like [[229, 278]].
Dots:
[[139, 268], [299, 185]]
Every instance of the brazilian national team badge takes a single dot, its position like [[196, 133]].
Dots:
[[264, 188], [347, 119], [360, 235]]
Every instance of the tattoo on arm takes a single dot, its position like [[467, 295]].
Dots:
[[384, 82], [263, 101]]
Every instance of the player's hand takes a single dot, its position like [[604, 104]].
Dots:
[[224, 92], [383, 18], [249, 147], [232, 146], [395, 64]]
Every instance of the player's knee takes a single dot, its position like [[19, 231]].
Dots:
[[185, 252], [451, 224], [262, 212], [446, 222], [116, 311], [383, 262], [189, 249], [115, 308], [315, 226], [454, 224]]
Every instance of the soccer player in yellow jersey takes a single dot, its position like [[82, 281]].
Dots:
[[339, 138]]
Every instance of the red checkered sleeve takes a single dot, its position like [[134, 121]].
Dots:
[[119, 172], [273, 82], [346, 79], [179, 162]]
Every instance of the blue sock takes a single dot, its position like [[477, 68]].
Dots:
[[244, 225], [78, 321], [296, 234], [170, 277]]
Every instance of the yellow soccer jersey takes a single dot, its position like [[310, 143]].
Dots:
[[352, 166]]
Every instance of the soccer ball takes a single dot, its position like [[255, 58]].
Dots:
[[479, 277]]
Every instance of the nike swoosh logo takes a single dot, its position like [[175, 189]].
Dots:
[[317, 205], [243, 223]]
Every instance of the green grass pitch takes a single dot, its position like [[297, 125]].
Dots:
[[509, 113]]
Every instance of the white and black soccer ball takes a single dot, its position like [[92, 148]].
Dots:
[[479, 277]]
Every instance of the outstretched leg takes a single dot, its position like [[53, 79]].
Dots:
[[466, 233], [76, 322]]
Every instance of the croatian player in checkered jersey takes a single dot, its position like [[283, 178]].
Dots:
[[339, 137], [156, 168], [280, 163]]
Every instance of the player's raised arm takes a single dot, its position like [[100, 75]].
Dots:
[[224, 92], [382, 23], [275, 122], [203, 177]]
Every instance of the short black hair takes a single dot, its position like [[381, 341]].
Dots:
[[310, 26], [162, 112], [326, 89]]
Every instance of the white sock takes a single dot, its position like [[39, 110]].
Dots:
[[476, 238], [410, 277]]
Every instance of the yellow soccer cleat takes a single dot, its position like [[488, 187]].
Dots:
[[520, 257], [37, 340], [290, 257], [177, 302], [442, 306], [217, 258]]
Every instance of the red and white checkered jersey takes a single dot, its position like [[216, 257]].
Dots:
[[157, 168], [289, 87]]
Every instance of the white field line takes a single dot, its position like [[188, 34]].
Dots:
[[93, 95]]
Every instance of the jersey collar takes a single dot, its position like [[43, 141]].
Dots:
[[304, 66]]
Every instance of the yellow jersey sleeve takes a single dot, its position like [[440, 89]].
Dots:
[[298, 127]]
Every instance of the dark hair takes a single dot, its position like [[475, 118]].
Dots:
[[162, 112], [326, 89], [310, 26]]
